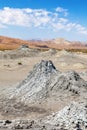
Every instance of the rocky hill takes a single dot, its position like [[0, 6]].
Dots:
[[61, 41]]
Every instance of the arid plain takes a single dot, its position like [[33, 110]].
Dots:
[[17, 67]]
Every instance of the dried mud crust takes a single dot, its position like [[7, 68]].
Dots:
[[71, 117], [14, 109]]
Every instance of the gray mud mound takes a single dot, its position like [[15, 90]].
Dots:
[[72, 117], [23, 51], [53, 51], [23, 47], [35, 86], [44, 81], [50, 52], [64, 52]]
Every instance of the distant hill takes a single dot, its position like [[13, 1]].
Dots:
[[61, 41], [7, 43]]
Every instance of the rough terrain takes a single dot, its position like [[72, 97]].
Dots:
[[43, 90]]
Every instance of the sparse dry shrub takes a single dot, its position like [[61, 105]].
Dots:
[[19, 63]]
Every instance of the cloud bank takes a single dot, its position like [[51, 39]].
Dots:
[[57, 20]]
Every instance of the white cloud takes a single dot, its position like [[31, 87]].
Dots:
[[62, 10], [28, 17], [63, 20], [81, 29], [23, 17]]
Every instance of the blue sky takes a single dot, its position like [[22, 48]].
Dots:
[[44, 19]]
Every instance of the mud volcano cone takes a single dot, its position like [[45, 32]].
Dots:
[[45, 80], [35, 86]]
